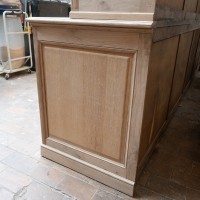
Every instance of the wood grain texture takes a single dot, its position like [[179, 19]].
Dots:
[[161, 69], [141, 75], [105, 88], [142, 26], [88, 37], [87, 156], [75, 5], [135, 10], [170, 31], [116, 5], [118, 58], [40, 86], [87, 106], [180, 69], [124, 185]]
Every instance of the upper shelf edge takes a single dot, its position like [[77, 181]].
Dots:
[[87, 22]]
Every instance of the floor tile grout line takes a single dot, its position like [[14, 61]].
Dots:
[[41, 182]]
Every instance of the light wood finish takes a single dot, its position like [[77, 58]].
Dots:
[[162, 63], [87, 156], [115, 5], [142, 26], [89, 104], [41, 89], [138, 104], [88, 114], [100, 87], [112, 16], [107, 88], [134, 9], [75, 5], [103, 176]]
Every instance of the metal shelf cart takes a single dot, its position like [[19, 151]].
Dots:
[[6, 67]]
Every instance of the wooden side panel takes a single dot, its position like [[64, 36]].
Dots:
[[190, 5], [187, 5], [192, 56], [176, 4], [112, 16], [116, 5], [88, 98], [181, 66], [90, 37], [169, 9], [162, 63], [175, 9], [141, 74]]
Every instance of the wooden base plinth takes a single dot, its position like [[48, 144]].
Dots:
[[112, 180]]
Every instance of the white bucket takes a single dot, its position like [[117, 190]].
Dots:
[[16, 42]]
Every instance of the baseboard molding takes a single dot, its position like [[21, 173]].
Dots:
[[112, 180]]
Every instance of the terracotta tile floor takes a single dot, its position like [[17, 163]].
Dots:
[[173, 171]]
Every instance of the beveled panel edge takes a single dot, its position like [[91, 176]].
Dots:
[[126, 123], [41, 88], [53, 141]]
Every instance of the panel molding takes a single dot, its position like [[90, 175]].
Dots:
[[117, 167]]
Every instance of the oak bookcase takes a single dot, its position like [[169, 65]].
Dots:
[[109, 78]]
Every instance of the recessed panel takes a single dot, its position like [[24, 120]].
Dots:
[[88, 96]]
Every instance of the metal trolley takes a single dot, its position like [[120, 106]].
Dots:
[[6, 67]]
